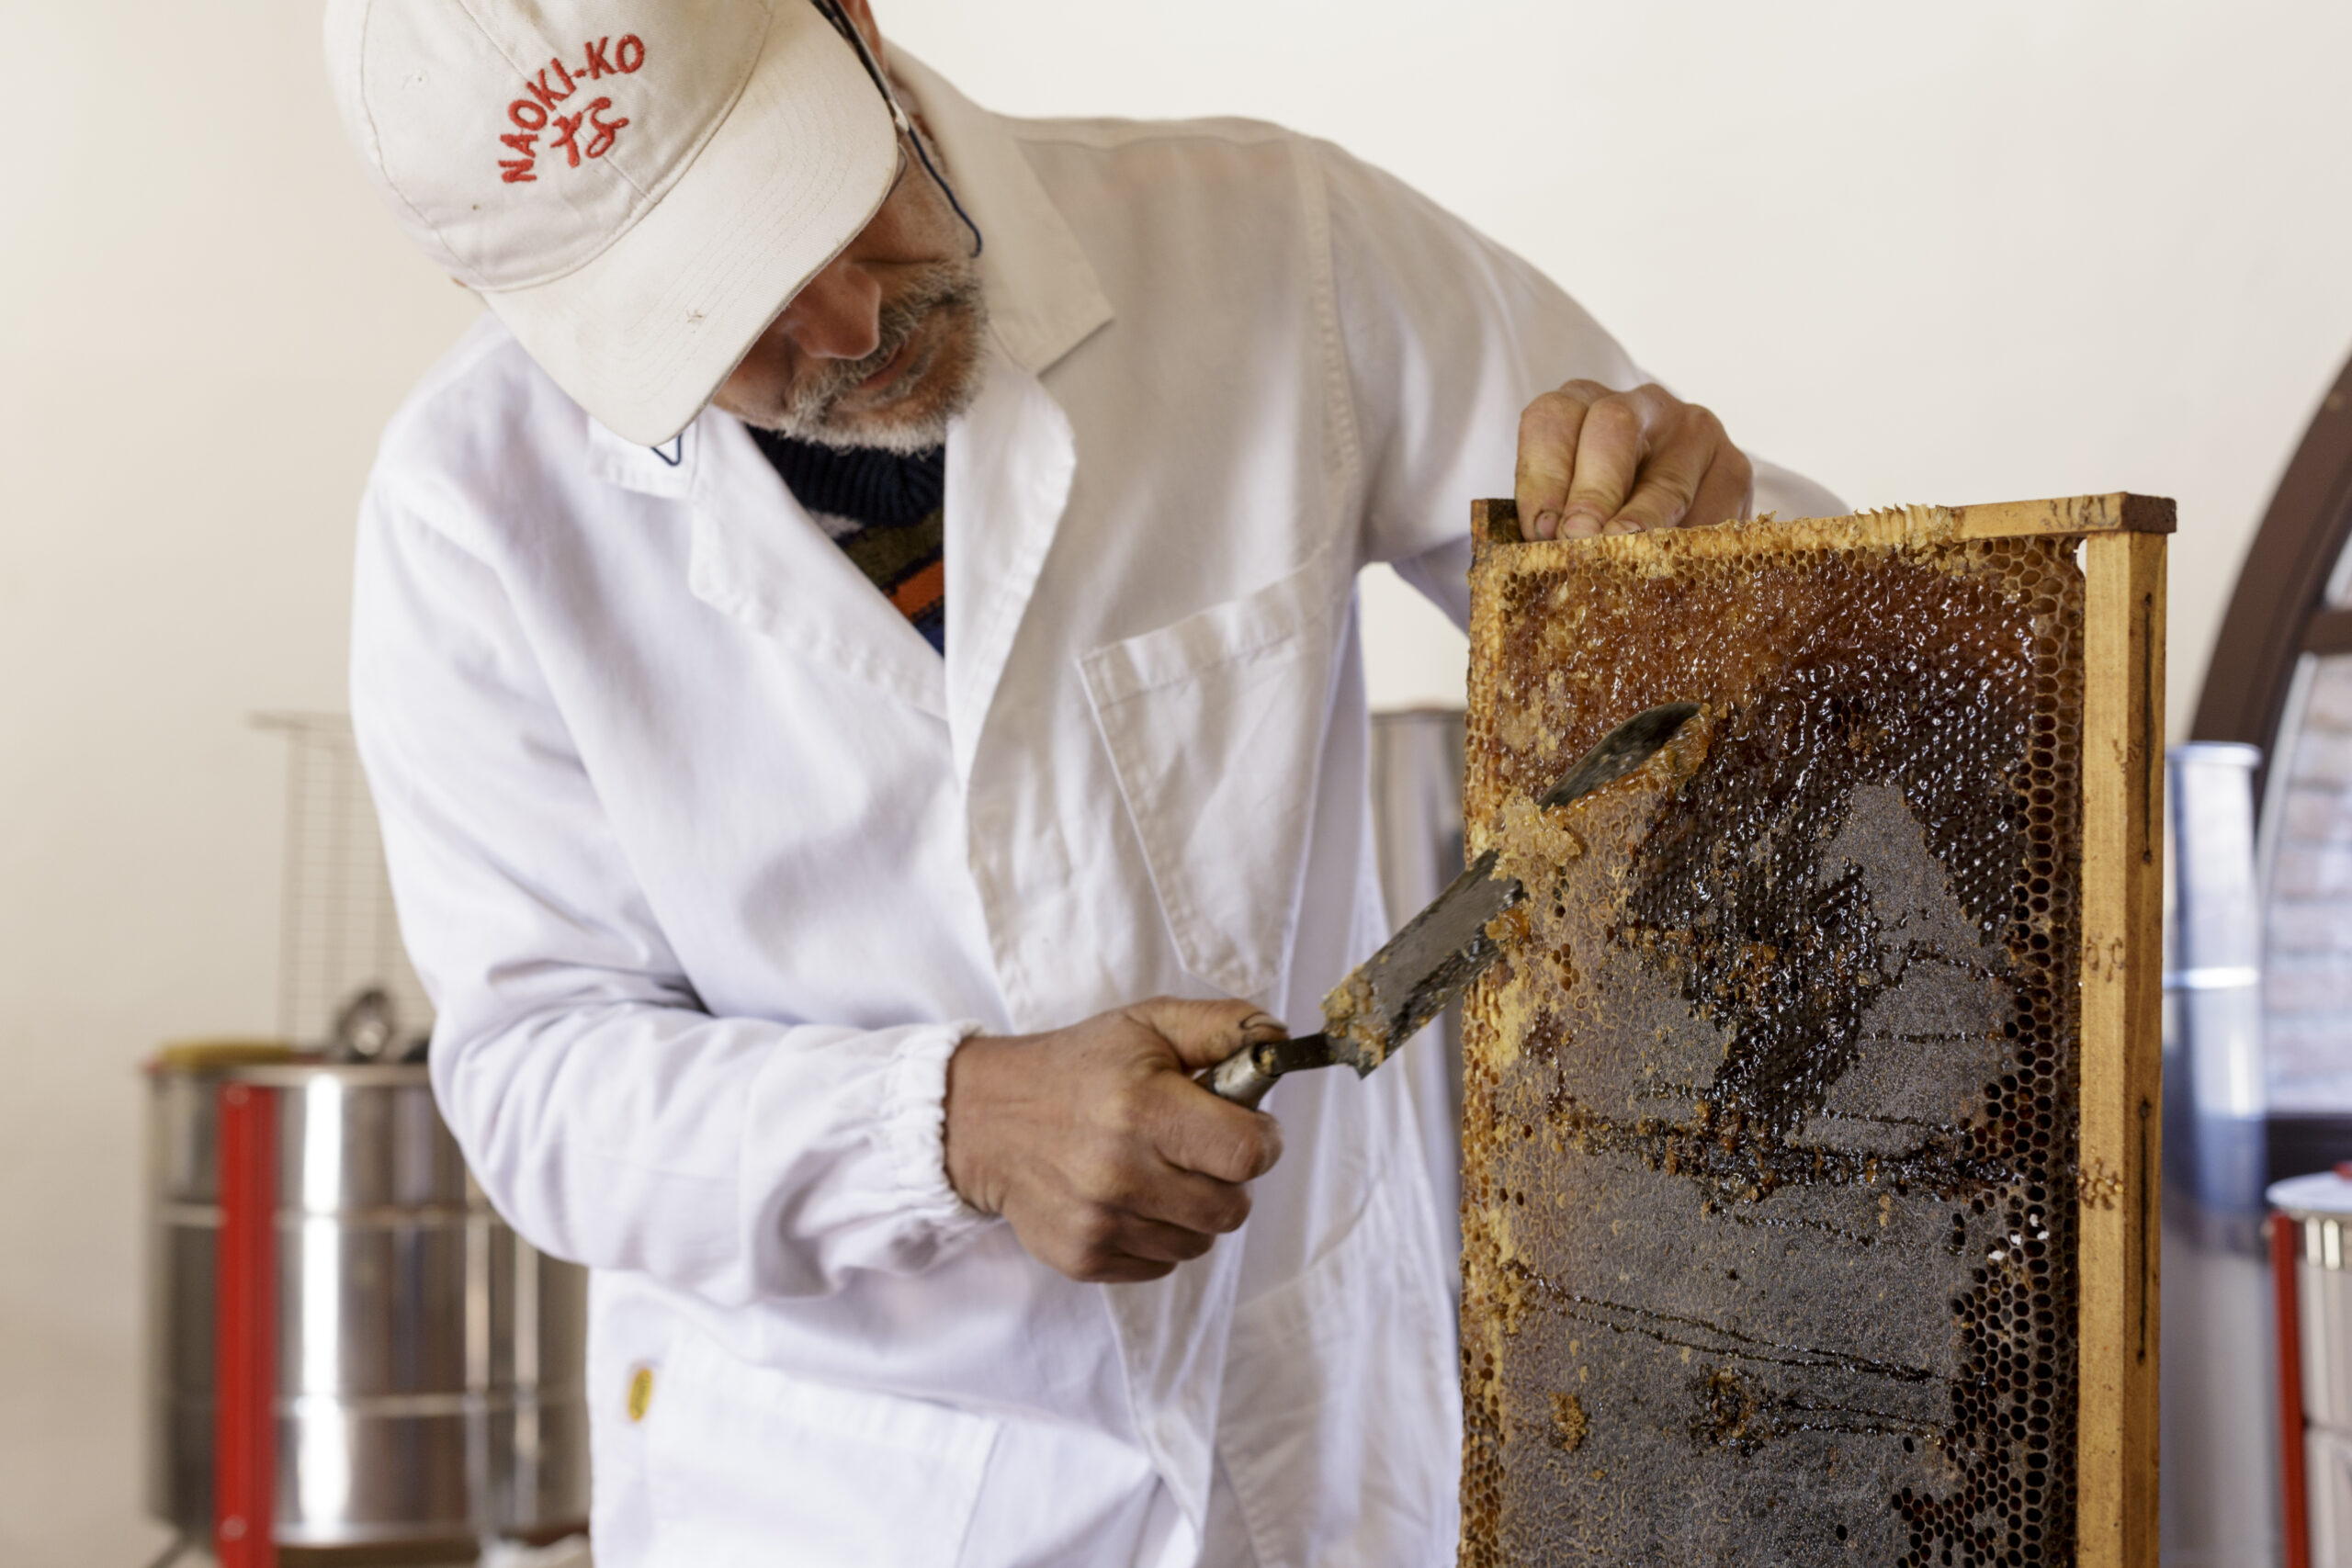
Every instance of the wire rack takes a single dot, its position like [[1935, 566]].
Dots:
[[338, 935]]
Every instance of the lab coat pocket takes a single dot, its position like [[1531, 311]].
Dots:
[[1214, 727], [1336, 1385], [754, 1468]]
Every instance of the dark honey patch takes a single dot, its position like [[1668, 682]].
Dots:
[[1765, 1135]]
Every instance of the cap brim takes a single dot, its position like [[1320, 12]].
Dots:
[[643, 334]]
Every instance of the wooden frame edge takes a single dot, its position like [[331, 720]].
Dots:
[[2119, 1153], [2119, 513], [1496, 521]]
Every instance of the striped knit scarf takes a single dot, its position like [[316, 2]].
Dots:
[[887, 512]]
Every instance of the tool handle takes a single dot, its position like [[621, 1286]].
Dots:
[[1246, 1076], [1243, 1077]]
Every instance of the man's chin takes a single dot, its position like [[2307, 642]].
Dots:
[[911, 410], [897, 430], [911, 414]]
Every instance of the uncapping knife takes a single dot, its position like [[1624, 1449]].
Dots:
[[1392, 994]]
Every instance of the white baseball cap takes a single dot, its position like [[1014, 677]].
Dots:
[[636, 189]]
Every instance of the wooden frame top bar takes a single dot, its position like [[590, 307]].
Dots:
[[2079, 515]]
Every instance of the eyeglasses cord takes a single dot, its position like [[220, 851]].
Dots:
[[831, 11]]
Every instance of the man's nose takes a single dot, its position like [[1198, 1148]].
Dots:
[[838, 315]]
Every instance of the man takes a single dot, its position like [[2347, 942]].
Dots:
[[862, 628]]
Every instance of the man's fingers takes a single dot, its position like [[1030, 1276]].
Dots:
[[1094, 1250], [1121, 1271], [1609, 453], [1729, 491], [1547, 459], [1686, 448], [1206, 1033], [1671, 479], [1596, 461], [1190, 1201], [1155, 1241], [1661, 500], [1097, 1243], [1195, 1130]]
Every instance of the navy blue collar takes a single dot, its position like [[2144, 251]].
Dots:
[[887, 490]]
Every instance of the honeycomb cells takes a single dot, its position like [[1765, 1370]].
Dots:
[[1769, 1125]]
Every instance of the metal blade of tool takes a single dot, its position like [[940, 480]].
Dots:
[[1393, 993]]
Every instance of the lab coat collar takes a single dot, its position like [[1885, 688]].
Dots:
[[1010, 458], [666, 471], [1010, 463], [1044, 298], [757, 556]]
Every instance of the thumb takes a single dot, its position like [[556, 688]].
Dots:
[[1206, 1033]]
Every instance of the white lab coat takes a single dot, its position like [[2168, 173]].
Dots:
[[710, 861]]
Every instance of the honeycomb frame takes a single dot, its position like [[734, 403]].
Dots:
[[1996, 1403]]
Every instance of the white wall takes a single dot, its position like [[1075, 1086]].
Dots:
[[1925, 253], [1943, 254], [204, 318]]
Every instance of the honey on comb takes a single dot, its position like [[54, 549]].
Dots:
[[1768, 1139]]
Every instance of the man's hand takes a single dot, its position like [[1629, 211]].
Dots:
[[1110, 1163], [1593, 461]]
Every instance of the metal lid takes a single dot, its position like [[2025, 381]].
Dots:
[[2323, 1194], [284, 1070], [216, 1054]]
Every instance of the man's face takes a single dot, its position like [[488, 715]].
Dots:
[[882, 348]]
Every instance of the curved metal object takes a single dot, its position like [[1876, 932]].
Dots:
[[366, 1029], [1621, 751], [429, 1362]]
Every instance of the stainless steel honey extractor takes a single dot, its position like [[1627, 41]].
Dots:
[[422, 1364]]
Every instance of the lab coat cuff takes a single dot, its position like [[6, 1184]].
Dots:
[[914, 1128]]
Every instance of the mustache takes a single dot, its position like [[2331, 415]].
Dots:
[[819, 391]]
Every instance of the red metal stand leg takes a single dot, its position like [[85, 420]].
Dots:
[[245, 1419], [2295, 1520]]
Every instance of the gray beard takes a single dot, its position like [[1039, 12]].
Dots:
[[811, 411]]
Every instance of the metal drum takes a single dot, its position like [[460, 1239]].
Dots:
[[428, 1362], [2314, 1217]]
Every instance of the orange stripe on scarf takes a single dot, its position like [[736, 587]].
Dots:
[[922, 591]]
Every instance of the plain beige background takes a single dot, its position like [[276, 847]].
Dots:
[[1925, 253]]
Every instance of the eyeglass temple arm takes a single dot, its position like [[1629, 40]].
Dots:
[[831, 11]]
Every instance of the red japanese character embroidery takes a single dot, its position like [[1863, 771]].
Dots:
[[602, 133], [606, 131]]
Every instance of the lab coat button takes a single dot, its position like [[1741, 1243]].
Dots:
[[641, 1392]]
